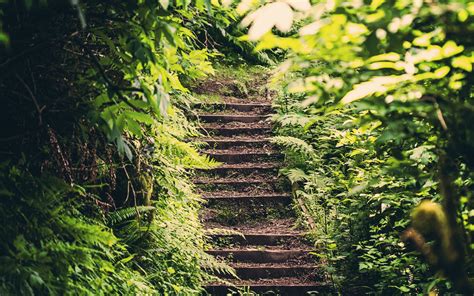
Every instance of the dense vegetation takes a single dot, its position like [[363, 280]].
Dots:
[[376, 118], [374, 111], [95, 189]]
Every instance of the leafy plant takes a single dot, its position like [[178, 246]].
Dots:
[[378, 91], [96, 162]]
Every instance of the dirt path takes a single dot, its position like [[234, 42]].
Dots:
[[245, 195]]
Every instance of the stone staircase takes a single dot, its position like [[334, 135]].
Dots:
[[252, 207]]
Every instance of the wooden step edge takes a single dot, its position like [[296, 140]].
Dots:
[[281, 266], [238, 130], [233, 141], [200, 115], [224, 103], [244, 197], [246, 234], [232, 128], [287, 289], [309, 284], [249, 166], [245, 238], [241, 153], [235, 181], [269, 251], [275, 271], [232, 118], [261, 256]]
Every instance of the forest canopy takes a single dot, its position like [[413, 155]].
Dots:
[[373, 110]]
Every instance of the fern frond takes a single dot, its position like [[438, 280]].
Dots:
[[210, 263], [122, 215], [291, 119], [294, 144], [296, 175]]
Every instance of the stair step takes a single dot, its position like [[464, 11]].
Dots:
[[231, 181], [248, 166], [230, 142], [272, 197], [282, 226], [250, 203], [279, 232], [230, 170], [244, 107], [231, 118], [242, 156], [257, 271], [292, 286], [239, 130], [244, 184], [268, 239], [262, 256]]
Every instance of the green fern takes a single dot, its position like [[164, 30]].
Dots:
[[291, 119], [296, 175], [295, 145], [124, 214]]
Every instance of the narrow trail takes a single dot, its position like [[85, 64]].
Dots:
[[247, 198]]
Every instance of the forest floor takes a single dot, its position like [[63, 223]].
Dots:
[[249, 208]]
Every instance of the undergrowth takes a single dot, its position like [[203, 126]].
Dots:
[[96, 163]]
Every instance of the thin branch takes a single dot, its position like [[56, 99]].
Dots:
[[35, 101], [439, 113], [129, 183], [110, 84]]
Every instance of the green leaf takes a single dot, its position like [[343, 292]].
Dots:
[[4, 38], [140, 117], [123, 148], [376, 4], [450, 48], [164, 3], [385, 65], [423, 40], [127, 259], [462, 62], [134, 127], [391, 56], [442, 72], [404, 289]]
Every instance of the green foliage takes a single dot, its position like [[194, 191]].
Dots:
[[358, 203], [96, 97], [383, 93], [294, 144], [52, 247]]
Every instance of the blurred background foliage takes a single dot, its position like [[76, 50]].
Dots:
[[376, 118]]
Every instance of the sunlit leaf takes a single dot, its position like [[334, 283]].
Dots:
[[164, 3], [301, 5], [362, 90], [376, 3], [313, 28], [462, 62], [277, 14], [385, 65], [442, 72], [391, 56], [450, 48]]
